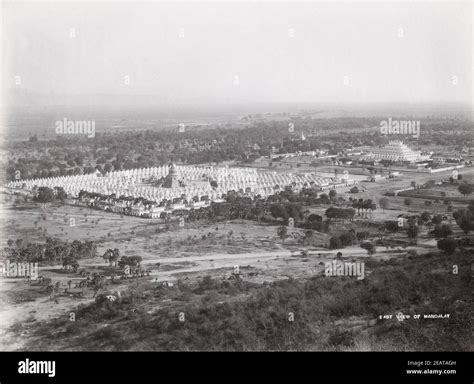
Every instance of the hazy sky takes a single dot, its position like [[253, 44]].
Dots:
[[234, 52]]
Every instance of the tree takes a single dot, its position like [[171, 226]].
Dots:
[[98, 282], [278, 210], [370, 247], [79, 160], [428, 203], [340, 213], [413, 232], [114, 257], [442, 231], [335, 242], [466, 223], [353, 235], [447, 245], [107, 168], [384, 202], [131, 261], [425, 217], [295, 211], [437, 219], [354, 190], [407, 202], [465, 189], [465, 219], [314, 222], [60, 193], [362, 235], [332, 194], [324, 198], [70, 263], [392, 226], [106, 255], [346, 238], [111, 256], [45, 195], [282, 232]]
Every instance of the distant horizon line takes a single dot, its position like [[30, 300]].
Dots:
[[156, 98], [194, 104]]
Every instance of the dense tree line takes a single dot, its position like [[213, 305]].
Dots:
[[52, 251], [47, 195], [348, 238], [127, 150], [279, 208]]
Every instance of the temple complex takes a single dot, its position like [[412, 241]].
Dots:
[[181, 187], [395, 151]]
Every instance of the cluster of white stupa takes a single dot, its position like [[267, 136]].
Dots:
[[192, 183]]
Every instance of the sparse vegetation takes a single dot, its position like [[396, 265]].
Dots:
[[260, 321]]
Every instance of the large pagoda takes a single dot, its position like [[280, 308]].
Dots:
[[171, 180]]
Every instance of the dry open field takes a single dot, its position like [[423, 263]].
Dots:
[[171, 253]]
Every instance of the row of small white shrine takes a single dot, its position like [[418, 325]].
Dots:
[[133, 183]]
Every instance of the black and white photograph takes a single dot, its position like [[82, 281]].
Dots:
[[237, 176]]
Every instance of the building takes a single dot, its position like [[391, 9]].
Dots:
[[152, 192], [395, 151], [171, 180]]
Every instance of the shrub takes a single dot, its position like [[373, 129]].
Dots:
[[335, 242], [447, 245]]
